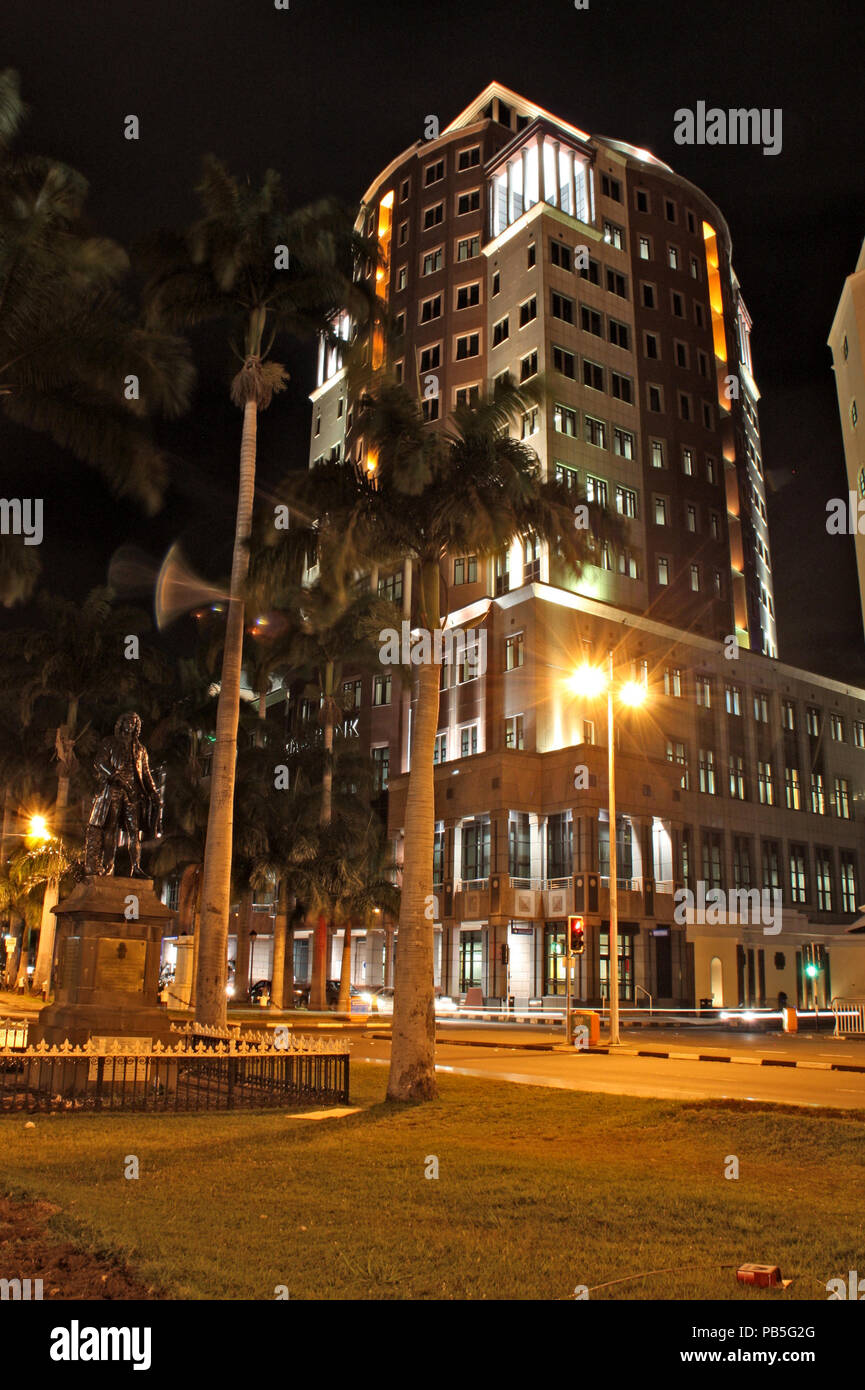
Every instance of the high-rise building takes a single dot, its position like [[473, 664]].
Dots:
[[515, 243], [847, 341]]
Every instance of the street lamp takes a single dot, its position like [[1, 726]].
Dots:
[[590, 681], [38, 829]]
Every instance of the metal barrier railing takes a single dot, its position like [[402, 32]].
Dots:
[[849, 1016], [208, 1076]]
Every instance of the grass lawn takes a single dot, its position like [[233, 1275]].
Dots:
[[538, 1191]]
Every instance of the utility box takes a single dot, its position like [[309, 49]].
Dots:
[[789, 1020], [585, 1028]]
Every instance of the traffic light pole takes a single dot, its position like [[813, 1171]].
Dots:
[[613, 962], [568, 965]]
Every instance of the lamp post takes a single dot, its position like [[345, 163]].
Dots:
[[590, 681]]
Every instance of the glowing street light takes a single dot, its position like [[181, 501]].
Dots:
[[591, 681], [38, 829]]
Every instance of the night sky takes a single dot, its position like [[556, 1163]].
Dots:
[[328, 93]]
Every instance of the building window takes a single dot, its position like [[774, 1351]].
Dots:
[[619, 334], [555, 959], [351, 693], [466, 569], [514, 651], [673, 681], [468, 740], [616, 283], [433, 173], [673, 257], [519, 845], [431, 358], [531, 255], [848, 881], [564, 362], [562, 307], [564, 420], [771, 864], [677, 753], [798, 885], [611, 188], [468, 158], [560, 845], [623, 443], [528, 311], [818, 794], [593, 375], [657, 453], [468, 202], [661, 511], [530, 423], [430, 409], [842, 798], [476, 849], [591, 321], [765, 784], [707, 771], [440, 749], [560, 255], [528, 366], [431, 309], [812, 721], [649, 301], [467, 397], [741, 862], [502, 573], [788, 715], [691, 517], [836, 727], [733, 699], [568, 476], [645, 249], [433, 216], [596, 490], [591, 272], [823, 861], [626, 501], [468, 346], [737, 776], [390, 587], [381, 686], [711, 475], [614, 235], [514, 731], [468, 296], [663, 570], [792, 790], [531, 561], [380, 765], [650, 345], [703, 692], [501, 331], [621, 387], [468, 248], [656, 399], [471, 960], [858, 733]]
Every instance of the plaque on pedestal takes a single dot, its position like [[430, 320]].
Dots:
[[109, 942]]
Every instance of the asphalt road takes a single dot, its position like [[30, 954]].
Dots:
[[666, 1078]]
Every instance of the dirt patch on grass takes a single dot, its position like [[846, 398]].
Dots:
[[29, 1249]]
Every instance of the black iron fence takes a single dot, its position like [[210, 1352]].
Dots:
[[181, 1079]]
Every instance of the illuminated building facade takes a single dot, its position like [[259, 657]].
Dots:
[[515, 243]]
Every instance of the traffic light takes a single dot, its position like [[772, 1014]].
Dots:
[[576, 936]]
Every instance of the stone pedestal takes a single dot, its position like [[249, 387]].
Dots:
[[106, 980]]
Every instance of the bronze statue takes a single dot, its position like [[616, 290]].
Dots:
[[127, 804]]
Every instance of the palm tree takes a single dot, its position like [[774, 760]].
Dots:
[[74, 363], [471, 489], [256, 268], [319, 632]]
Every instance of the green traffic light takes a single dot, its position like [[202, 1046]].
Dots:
[[812, 971]]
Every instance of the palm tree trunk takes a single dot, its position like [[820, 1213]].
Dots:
[[412, 1064], [210, 1004], [317, 988], [67, 732], [47, 933], [344, 1002], [277, 974], [196, 936]]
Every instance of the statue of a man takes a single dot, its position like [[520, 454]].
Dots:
[[127, 803]]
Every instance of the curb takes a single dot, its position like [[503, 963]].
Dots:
[[740, 1061]]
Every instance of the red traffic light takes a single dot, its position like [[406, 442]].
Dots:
[[576, 936]]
